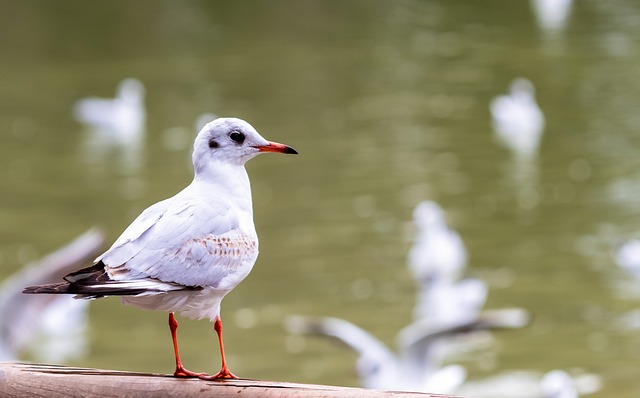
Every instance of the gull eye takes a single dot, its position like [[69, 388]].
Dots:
[[237, 137]]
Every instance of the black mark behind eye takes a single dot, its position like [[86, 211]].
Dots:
[[213, 144], [237, 137]]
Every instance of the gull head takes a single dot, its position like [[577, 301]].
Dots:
[[522, 88], [428, 213], [131, 90], [231, 141]]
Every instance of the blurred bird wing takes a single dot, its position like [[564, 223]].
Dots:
[[354, 337], [183, 233]]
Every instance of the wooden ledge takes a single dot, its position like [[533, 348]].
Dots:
[[18, 380]]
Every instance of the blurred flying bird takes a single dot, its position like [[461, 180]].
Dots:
[[34, 322], [185, 253], [417, 366]]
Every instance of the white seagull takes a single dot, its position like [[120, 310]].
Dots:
[[437, 260], [123, 115], [114, 125], [438, 252], [552, 15], [517, 118], [185, 253], [417, 364]]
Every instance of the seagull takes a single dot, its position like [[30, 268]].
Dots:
[[438, 252], [437, 260], [517, 118], [552, 15], [185, 253], [417, 364], [114, 125], [123, 115]]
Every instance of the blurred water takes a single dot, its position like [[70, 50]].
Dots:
[[388, 103]]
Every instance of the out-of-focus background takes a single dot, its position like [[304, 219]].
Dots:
[[388, 103]]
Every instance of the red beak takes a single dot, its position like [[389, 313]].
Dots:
[[275, 147]]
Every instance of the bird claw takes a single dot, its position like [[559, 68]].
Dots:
[[182, 372], [223, 374]]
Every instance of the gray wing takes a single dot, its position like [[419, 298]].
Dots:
[[183, 240]]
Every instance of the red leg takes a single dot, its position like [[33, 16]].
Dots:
[[180, 370], [224, 373]]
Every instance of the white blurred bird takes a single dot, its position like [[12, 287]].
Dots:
[[551, 15], [517, 119], [185, 253], [122, 116], [33, 323], [558, 384], [443, 303], [532, 384], [417, 366], [437, 260], [628, 257], [438, 253], [114, 125]]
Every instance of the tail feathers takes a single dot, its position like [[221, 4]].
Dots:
[[94, 291], [93, 282], [52, 288]]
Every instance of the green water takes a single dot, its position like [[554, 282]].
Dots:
[[387, 102]]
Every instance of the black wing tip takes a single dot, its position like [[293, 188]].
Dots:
[[70, 285], [94, 271]]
